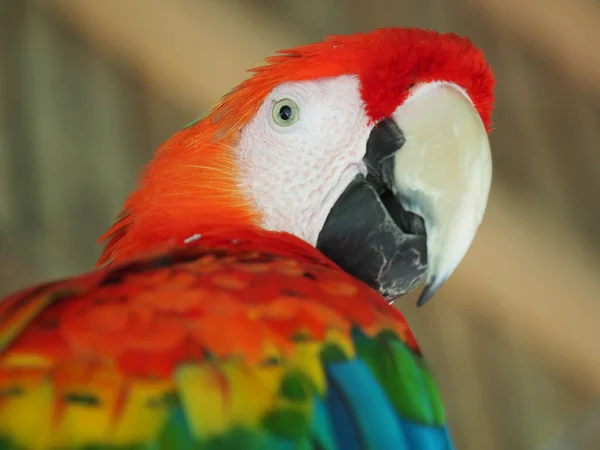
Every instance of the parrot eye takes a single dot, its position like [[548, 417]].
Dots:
[[285, 112]]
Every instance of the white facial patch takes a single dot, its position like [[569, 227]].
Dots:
[[296, 173]]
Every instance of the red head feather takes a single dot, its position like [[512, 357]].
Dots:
[[192, 183]]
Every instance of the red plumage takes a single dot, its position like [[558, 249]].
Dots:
[[145, 316]]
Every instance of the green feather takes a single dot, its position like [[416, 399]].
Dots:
[[403, 375], [7, 443], [197, 119], [332, 353], [297, 387], [287, 423], [236, 438]]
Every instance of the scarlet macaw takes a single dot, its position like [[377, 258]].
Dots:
[[242, 298]]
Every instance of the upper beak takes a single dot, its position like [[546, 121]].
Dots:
[[413, 217], [442, 173]]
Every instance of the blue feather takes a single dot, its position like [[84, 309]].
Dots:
[[346, 434], [367, 411], [425, 437], [363, 418], [321, 427]]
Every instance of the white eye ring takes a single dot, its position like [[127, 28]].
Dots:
[[285, 112]]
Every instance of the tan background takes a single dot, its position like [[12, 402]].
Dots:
[[88, 89]]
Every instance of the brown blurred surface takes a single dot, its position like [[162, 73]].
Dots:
[[88, 89]]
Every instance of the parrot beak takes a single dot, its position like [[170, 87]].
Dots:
[[415, 214], [442, 173]]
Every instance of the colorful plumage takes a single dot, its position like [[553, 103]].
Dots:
[[215, 345], [237, 308]]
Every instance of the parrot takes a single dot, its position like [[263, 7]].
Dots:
[[244, 296]]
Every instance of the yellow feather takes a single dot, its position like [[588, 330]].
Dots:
[[216, 399], [306, 360], [144, 413], [79, 424], [26, 417], [26, 361], [29, 308], [201, 388], [341, 339], [269, 376], [251, 398]]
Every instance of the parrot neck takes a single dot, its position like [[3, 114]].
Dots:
[[125, 246], [191, 187]]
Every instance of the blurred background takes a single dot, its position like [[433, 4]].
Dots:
[[88, 90]]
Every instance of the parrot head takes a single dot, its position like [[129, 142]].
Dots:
[[371, 147]]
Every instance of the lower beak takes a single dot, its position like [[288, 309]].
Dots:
[[416, 213]]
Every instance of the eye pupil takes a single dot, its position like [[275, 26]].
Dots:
[[285, 112]]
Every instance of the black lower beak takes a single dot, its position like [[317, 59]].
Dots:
[[368, 233]]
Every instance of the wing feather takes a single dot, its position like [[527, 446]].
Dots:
[[213, 347]]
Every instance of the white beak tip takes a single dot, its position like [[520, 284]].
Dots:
[[429, 290]]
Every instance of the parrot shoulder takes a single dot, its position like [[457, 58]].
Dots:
[[250, 343]]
